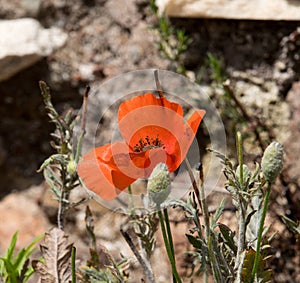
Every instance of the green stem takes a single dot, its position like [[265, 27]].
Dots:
[[260, 232], [73, 257], [168, 248], [170, 238], [239, 144], [169, 231]]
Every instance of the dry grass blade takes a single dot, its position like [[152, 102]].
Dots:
[[57, 254]]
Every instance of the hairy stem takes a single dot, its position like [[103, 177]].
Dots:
[[241, 241], [62, 207], [239, 145], [146, 266], [241, 209]]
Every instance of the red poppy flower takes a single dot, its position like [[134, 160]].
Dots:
[[154, 131]]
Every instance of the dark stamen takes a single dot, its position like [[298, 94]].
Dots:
[[147, 143]]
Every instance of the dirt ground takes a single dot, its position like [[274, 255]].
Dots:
[[108, 38]]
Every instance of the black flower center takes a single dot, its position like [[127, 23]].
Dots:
[[147, 143]]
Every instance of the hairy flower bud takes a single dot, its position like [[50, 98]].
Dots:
[[159, 184], [272, 161]]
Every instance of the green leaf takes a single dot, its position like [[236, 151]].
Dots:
[[249, 217], [196, 243], [99, 276], [228, 236], [292, 225], [54, 159], [24, 254], [15, 268], [187, 207], [218, 213], [52, 180], [8, 254], [255, 218], [11, 272], [10, 251]]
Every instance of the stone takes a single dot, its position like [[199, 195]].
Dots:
[[31, 7], [21, 212], [23, 42], [123, 12], [234, 9], [292, 146]]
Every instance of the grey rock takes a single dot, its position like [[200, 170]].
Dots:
[[31, 7], [124, 12], [292, 145], [234, 9], [23, 42]]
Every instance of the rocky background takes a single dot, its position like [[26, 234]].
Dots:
[[70, 44]]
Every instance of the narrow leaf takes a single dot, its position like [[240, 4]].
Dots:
[[228, 235], [218, 212], [196, 243], [292, 225], [53, 159], [249, 217], [10, 251]]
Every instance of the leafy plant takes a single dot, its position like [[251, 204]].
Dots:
[[60, 168], [229, 255], [173, 42], [16, 268]]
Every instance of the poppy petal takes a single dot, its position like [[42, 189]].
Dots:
[[194, 121], [90, 172], [190, 131], [150, 159], [100, 177], [147, 100], [152, 122]]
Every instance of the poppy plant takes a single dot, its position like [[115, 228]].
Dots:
[[153, 131]]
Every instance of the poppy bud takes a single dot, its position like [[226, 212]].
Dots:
[[158, 186], [272, 161]]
